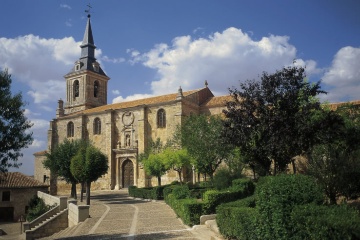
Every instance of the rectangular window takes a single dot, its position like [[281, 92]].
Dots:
[[6, 196]]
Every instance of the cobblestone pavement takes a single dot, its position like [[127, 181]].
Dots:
[[114, 215]]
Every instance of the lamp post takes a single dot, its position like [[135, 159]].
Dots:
[[21, 220]]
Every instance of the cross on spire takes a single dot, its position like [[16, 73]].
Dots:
[[88, 10]]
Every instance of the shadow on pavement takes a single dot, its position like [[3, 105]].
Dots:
[[162, 235]]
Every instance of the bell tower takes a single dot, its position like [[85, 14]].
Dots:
[[86, 83]]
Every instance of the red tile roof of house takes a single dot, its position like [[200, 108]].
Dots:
[[18, 180]]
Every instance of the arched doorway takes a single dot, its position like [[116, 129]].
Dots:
[[127, 173]]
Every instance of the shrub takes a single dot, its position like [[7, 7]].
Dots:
[[213, 198], [37, 207], [325, 222], [277, 196], [189, 210], [147, 193], [237, 222], [245, 202], [222, 179], [181, 192], [244, 184]]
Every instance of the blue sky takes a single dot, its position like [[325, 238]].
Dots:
[[152, 47]]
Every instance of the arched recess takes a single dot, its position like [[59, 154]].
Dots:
[[127, 170]]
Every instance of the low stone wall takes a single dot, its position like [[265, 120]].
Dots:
[[49, 227], [51, 200], [77, 213]]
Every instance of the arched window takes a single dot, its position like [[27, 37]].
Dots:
[[97, 126], [161, 118], [96, 88], [70, 129], [76, 88]]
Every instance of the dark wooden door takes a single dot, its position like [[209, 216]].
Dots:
[[127, 173]]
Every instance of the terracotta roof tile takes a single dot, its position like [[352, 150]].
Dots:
[[18, 180], [139, 102], [217, 101]]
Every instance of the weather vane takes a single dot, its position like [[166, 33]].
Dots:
[[88, 10]]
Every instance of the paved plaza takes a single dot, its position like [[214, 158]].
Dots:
[[115, 215]]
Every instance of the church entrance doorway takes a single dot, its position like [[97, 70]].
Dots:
[[127, 173]]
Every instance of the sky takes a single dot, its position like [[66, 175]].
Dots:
[[151, 47]]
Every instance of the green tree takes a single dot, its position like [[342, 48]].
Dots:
[[177, 159], [335, 160], [270, 119], [14, 125], [201, 136], [58, 161], [88, 165], [155, 165]]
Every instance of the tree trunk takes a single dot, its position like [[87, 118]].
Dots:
[[293, 165], [88, 185], [159, 181], [82, 191], [179, 172], [73, 190]]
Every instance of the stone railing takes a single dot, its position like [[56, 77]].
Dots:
[[49, 227], [42, 218], [52, 200], [77, 213]]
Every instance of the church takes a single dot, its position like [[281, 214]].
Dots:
[[121, 131]]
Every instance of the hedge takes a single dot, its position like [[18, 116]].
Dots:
[[147, 193], [189, 210], [325, 222], [212, 198], [276, 198], [237, 222]]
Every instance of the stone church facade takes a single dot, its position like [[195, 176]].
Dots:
[[122, 130]]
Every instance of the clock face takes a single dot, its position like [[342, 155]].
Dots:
[[128, 118]]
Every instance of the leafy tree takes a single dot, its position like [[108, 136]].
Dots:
[[177, 159], [335, 160], [153, 159], [155, 165], [88, 165], [270, 119], [58, 161], [14, 126], [201, 136]]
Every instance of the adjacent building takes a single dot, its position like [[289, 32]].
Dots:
[[16, 189]]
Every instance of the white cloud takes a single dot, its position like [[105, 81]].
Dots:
[[37, 143], [68, 23], [113, 60], [223, 59], [131, 98], [343, 77], [65, 6], [41, 64], [115, 92]]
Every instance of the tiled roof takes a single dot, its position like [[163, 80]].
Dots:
[[219, 101], [334, 106], [139, 102], [41, 153], [18, 180]]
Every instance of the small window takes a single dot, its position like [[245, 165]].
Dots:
[[70, 129], [96, 88], [161, 118], [6, 196], [76, 88], [97, 126]]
